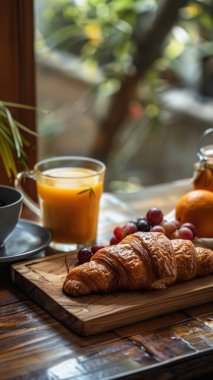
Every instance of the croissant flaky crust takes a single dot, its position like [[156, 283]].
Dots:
[[143, 260]]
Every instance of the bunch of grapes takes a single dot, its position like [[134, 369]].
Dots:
[[153, 221], [85, 254]]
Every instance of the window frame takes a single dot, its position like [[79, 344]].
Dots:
[[17, 75]]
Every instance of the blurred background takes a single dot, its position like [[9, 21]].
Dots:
[[129, 82]]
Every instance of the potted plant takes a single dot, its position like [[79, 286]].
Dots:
[[12, 141]]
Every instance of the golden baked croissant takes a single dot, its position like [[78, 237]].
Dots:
[[143, 260]]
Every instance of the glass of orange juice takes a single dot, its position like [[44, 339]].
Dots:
[[69, 191]]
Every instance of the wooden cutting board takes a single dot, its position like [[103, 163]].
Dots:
[[42, 280]]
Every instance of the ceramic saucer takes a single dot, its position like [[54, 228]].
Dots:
[[26, 240]]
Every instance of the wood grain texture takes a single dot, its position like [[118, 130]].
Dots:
[[42, 280], [31, 340], [34, 345], [147, 325], [9, 293]]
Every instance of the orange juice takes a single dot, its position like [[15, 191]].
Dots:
[[69, 200]]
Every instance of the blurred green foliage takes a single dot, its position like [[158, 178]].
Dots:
[[104, 35]]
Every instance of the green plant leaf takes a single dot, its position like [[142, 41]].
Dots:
[[16, 135], [23, 106], [11, 141], [29, 131], [5, 135], [90, 191], [7, 158]]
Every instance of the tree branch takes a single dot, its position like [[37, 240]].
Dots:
[[148, 49]]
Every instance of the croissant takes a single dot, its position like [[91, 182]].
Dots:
[[143, 260]]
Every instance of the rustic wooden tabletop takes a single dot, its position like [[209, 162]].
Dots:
[[34, 345]]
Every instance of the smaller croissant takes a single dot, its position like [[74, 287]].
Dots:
[[143, 260]]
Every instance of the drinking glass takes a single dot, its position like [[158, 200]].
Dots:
[[69, 191]]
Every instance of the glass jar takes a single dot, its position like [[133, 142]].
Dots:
[[203, 174]]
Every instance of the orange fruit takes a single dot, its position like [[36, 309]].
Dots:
[[196, 207]]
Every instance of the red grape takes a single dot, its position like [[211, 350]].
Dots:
[[84, 255], [129, 228], [154, 216], [185, 233], [158, 228], [118, 232], [191, 227], [96, 247], [126, 229], [169, 227], [113, 241]]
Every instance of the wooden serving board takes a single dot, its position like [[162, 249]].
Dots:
[[42, 280]]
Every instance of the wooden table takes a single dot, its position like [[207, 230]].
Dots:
[[34, 345]]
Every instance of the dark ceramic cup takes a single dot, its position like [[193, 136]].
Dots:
[[10, 208]]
